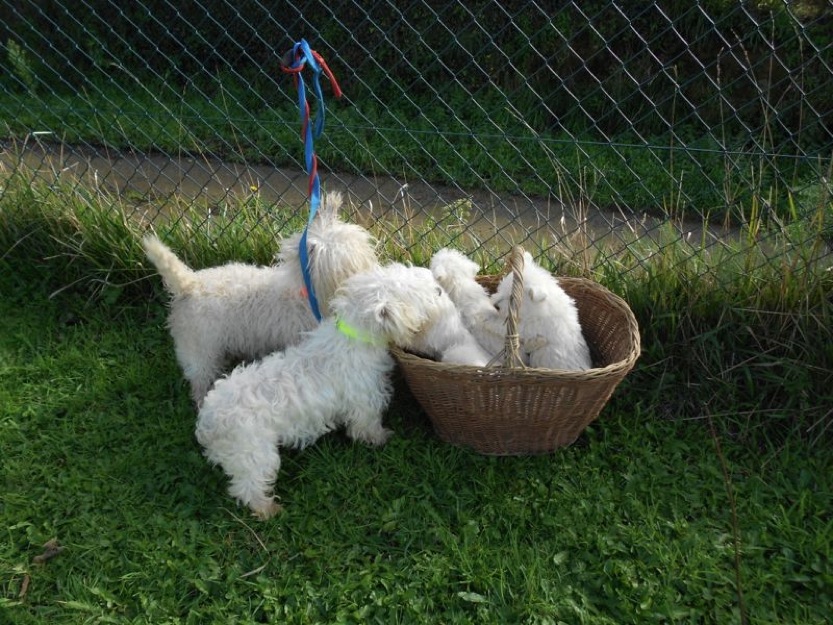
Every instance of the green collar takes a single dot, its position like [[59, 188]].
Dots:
[[358, 335]]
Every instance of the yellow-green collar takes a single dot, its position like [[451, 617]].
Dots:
[[358, 335]]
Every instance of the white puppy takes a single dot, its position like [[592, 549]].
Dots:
[[551, 336], [241, 311], [456, 274], [339, 375], [446, 338]]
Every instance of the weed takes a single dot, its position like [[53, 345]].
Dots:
[[21, 66]]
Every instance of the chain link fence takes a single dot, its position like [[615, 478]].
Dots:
[[582, 130]]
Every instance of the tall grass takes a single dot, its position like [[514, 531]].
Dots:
[[740, 328]]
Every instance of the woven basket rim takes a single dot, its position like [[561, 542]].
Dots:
[[595, 372]]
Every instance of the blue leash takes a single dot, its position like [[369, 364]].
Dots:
[[293, 63]]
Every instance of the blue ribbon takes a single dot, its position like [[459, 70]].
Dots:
[[301, 55]]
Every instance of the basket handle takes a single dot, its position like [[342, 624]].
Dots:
[[512, 345]]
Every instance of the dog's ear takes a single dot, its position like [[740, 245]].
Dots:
[[398, 319], [536, 294], [383, 313], [386, 315]]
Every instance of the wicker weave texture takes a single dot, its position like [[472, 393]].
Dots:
[[501, 411]]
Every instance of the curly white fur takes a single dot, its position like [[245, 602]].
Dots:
[[335, 377], [446, 338], [456, 274], [241, 311], [549, 327]]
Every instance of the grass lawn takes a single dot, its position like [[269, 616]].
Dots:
[[633, 523]]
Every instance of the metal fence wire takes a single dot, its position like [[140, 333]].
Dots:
[[591, 126]]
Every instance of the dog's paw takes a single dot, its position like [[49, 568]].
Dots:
[[375, 437], [383, 437], [266, 510]]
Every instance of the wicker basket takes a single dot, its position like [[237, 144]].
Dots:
[[512, 410]]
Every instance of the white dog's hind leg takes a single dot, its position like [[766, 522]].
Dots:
[[201, 372], [253, 476], [489, 329]]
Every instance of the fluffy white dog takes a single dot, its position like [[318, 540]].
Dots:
[[242, 311], [549, 328], [551, 336], [339, 375], [456, 274], [446, 338]]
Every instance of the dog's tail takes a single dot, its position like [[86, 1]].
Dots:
[[178, 277], [331, 204]]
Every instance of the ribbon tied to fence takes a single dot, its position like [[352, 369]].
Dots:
[[294, 62]]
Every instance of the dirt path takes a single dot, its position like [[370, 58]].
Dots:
[[511, 218]]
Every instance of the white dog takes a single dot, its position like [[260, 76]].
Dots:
[[241, 311], [339, 375], [549, 328], [551, 336], [446, 338], [456, 274]]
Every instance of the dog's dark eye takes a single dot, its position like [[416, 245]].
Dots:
[[439, 291]]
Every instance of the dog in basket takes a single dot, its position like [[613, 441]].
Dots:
[[456, 273], [549, 328], [242, 311], [446, 338], [339, 375]]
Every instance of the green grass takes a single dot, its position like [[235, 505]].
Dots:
[[631, 524], [701, 495]]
